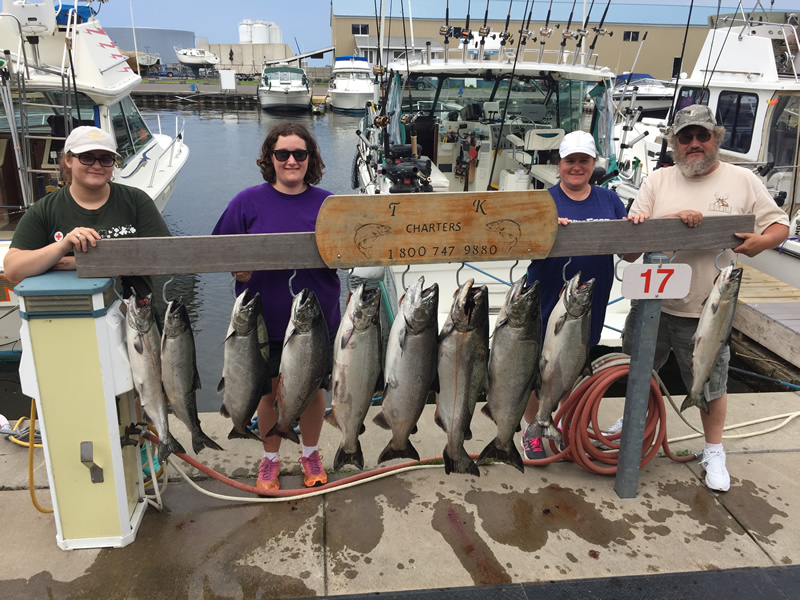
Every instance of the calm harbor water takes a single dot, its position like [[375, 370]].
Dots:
[[224, 145]]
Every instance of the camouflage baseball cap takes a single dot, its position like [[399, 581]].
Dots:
[[696, 114]]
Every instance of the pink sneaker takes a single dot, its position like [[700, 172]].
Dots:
[[268, 474], [313, 473]]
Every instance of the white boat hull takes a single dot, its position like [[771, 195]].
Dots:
[[284, 99], [345, 100]]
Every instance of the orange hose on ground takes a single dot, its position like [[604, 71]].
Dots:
[[580, 410]]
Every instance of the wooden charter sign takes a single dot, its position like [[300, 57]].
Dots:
[[435, 228]]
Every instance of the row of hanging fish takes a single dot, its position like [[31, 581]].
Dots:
[[164, 370]]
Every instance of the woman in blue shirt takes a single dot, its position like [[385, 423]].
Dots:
[[576, 200]]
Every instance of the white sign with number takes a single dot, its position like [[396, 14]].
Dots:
[[656, 282]]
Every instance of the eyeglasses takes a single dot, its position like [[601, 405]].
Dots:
[[283, 155], [87, 159], [686, 137]]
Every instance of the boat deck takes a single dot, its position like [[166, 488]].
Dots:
[[769, 314]]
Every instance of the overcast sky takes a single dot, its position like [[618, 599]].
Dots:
[[307, 21]]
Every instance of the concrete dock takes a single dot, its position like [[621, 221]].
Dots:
[[546, 532]]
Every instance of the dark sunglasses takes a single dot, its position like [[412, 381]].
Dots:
[[283, 155], [701, 136], [89, 159]]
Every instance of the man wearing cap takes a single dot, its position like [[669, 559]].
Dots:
[[88, 208], [576, 200], [700, 185]]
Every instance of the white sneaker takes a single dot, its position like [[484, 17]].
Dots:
[[616, 427], [717, 477]]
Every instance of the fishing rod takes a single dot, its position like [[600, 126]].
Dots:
[[545, 33], [598, 31], [566, 34], [505, 36], [484, 31], [630, 114], [446, 31], [618, 108], [466, 35], [525, 32], [581, 33], [508, 96], [662, 155]]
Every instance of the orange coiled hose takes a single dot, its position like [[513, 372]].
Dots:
[[579, 411]]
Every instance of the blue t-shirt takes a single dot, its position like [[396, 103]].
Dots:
[[601, 204], [263, 209]]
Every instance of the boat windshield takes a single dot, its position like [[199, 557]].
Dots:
[[285, 77], [41, 118], [130, 130], [351, 75], [541, 101]]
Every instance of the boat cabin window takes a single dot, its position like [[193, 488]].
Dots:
[[736, 111], [782, 146], [284, 77], [351, 75], [129, 128], [689, 96]]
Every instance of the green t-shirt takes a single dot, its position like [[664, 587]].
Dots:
[[129, 212]]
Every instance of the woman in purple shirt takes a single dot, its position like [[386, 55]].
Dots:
[[291, 164]]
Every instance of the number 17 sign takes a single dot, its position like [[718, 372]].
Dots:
[[656, 282]]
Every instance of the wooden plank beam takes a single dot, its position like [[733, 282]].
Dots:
[[210, 254], [770, 333]]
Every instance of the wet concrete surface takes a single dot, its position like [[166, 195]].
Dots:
[[503, 533]]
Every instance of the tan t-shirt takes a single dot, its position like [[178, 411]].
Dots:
[[728, 190]]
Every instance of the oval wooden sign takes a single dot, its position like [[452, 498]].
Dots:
[[429, 228]]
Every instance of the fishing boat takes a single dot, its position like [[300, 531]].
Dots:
[[351, 85], [488, 115], [63, 71], [748, 73], [284, 88]]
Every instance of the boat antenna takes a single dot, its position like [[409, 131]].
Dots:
[[711, 73], [484, 31], [545, 33], [505, 109], [566, 34], [581, 33], [505, 35], [598, 31], [446, 31], [662, 156]]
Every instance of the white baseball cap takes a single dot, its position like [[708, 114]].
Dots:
[[577, 142], [83, 139]]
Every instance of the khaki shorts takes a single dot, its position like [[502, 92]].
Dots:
[[677, 333]]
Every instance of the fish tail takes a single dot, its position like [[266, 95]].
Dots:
[[287, 435], [343, 458], [494, 451], [245, 434], [407, 451], [200, 440], [697, 400], [461, 464], [168, 445]]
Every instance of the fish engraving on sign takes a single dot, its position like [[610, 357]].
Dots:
[[508, 230], [366, 235]]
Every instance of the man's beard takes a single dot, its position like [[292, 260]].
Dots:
[[696, 168]]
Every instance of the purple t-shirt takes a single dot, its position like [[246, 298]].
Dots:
[[263, 209]]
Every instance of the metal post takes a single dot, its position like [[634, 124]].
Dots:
[[645, 331]]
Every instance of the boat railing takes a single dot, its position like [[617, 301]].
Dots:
[[180, 125]]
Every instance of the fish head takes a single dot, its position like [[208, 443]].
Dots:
[[246, 312], [522, 300], [364, 306], [176, 319], [140, 312], [470, 307], [728, 281], [305, 310], [421, 305], [578, 296]]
